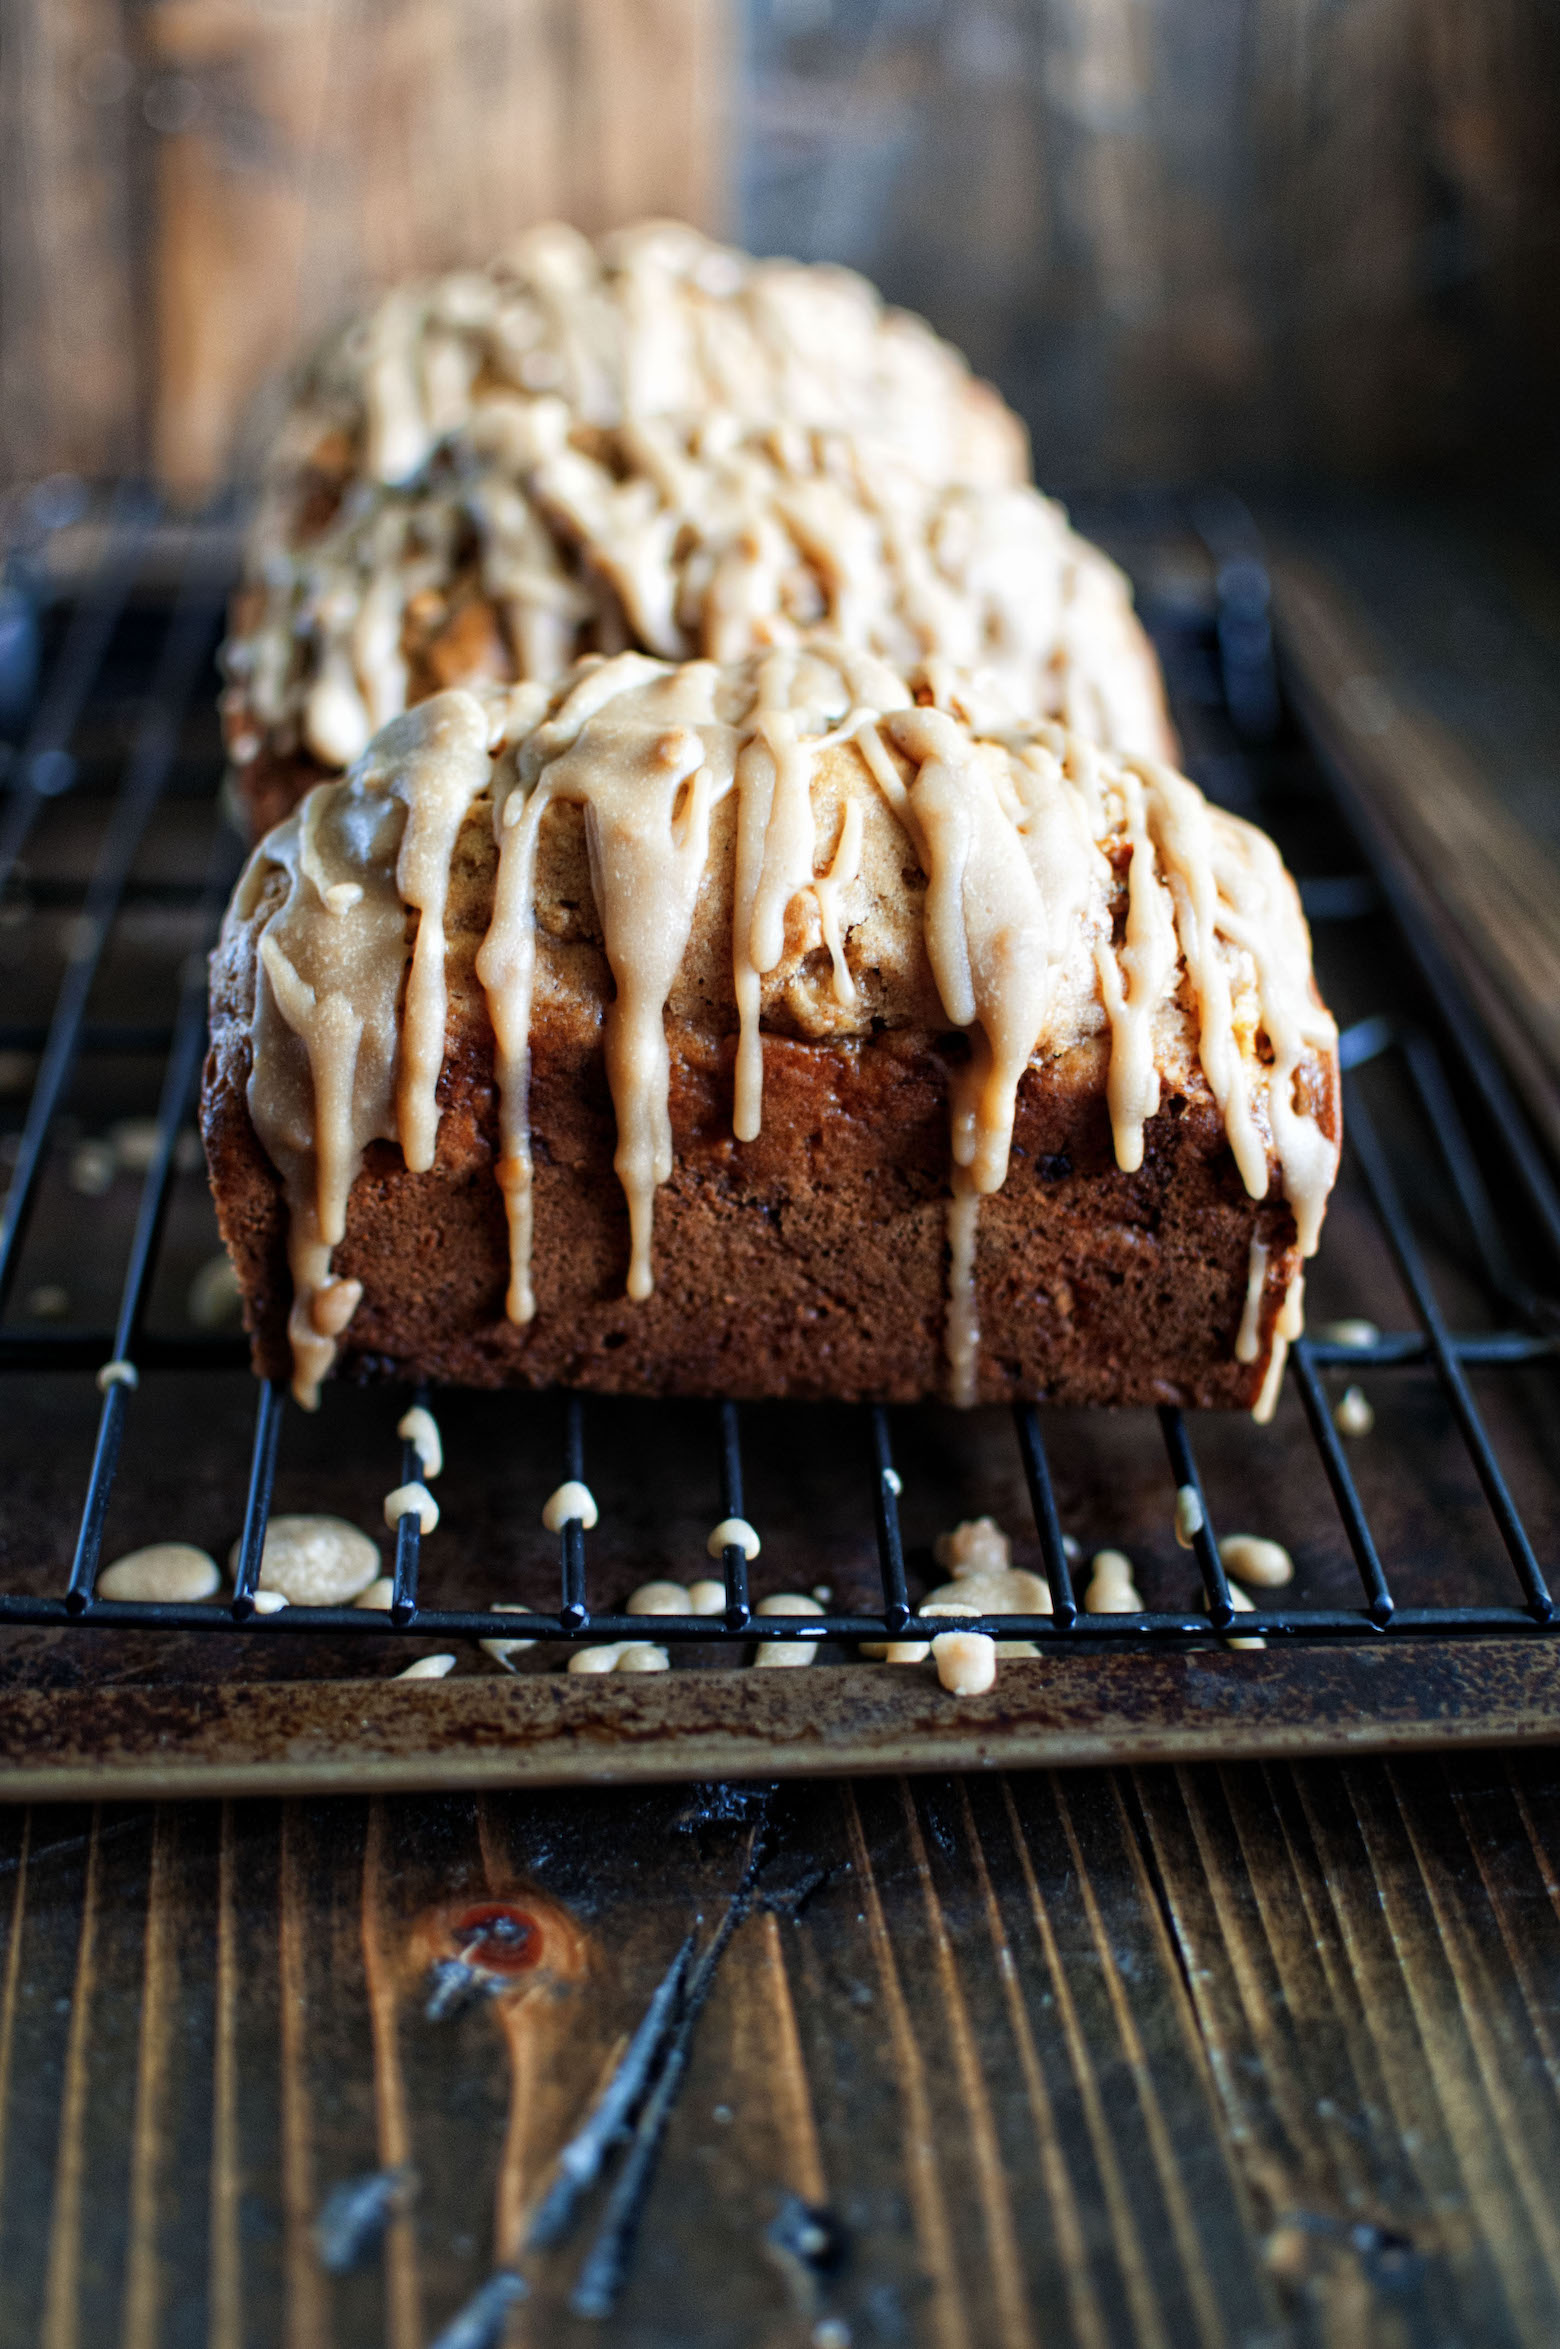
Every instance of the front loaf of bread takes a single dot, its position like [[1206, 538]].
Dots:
[[794, 1027]]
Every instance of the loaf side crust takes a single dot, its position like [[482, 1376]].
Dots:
[[810, 1263]]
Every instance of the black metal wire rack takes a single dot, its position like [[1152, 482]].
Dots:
[[1446, 1062]]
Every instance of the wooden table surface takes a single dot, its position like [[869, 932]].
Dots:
[[1257, 2055]]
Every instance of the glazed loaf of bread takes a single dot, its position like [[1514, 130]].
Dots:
[[801, 1025], [655, 443], [651, 320]]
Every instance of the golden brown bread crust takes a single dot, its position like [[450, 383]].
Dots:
[[809, 1263]]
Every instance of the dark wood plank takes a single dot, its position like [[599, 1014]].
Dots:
[[166, 2291], [1298, 2073], [328, 152], [70, 377], [1206, 2055], [47, 1924], [1228, 238], [868, 2086], [1489, 885], [1421, 2070], [1470, 2020], [962, 2200], [193, 190]]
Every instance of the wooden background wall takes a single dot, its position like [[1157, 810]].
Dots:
[[1194, 237], [190, 188], [1188, 236]]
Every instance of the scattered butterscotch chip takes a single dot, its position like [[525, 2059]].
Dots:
[[213, 1301], [1287, 2253], [733, 1533], [315, 1561], [979, 1589], [572, 1503], [92, 1168], [903, 1651], [163, 1570], [639, 1655], [1352, 1414], [784, 1652], [620, 1655], [1352, 1332], [1266, 1565], [660, 1598], [420, 1429], [411, 1500], [978, 1546], [1242, 1606], [1112, 1590], [135, 1142], [966, 1662], [502, 1649]]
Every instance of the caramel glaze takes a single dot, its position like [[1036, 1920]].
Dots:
[[540, 538], [499, 468], [654, 320], [1062, 895]]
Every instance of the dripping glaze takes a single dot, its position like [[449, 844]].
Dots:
[[1009, 823], [425, 422], [547, 538]]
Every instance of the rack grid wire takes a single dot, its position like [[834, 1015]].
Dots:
[[1444, 1061]]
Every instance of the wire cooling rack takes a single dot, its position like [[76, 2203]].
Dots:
[[1436, 1144]]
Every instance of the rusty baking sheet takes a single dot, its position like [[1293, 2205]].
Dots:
[[550, 1730]]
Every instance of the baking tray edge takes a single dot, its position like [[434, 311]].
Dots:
[[368, 1737]]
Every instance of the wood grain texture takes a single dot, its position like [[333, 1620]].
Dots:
[[329, 150], [936, 2258], [71, 362], [63, 2277], [194, 189], [393, 2141], [1491, 887], [1202, 240], [1231, 236], [225, 2259], [1199, 2055]]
